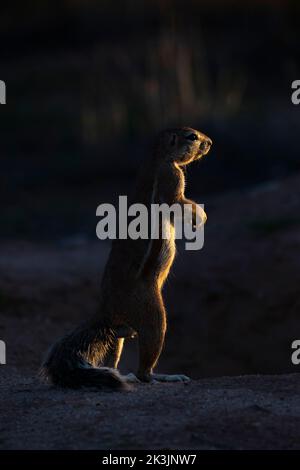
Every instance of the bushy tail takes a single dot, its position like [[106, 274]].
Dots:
[[73, 361]]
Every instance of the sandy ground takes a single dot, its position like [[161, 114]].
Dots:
[[251, 412], [233, 310]]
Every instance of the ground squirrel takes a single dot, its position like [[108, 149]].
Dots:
[[131, 289]]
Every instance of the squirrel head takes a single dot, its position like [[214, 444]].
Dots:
[[182, 145]]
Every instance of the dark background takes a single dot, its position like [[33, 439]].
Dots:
[[89, 84]]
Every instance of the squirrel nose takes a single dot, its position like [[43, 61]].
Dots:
[[205, 145]]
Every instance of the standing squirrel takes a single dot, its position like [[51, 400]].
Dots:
[[131, 290]]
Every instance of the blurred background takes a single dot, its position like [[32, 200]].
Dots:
[[89, 84]]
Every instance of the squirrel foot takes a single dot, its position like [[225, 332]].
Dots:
[[170, 378], [152, 378]]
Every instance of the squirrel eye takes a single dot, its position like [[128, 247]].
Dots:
[[192, 137]]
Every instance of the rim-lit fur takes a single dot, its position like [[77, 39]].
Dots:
[[131, 289]]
